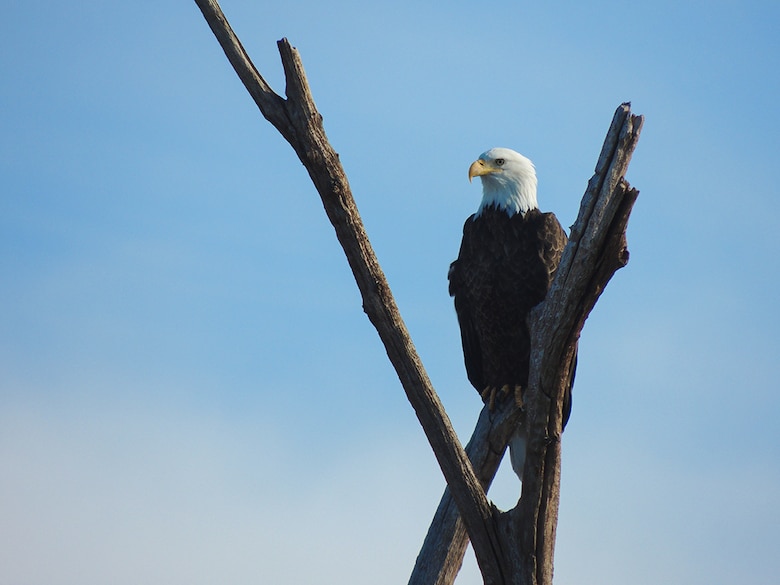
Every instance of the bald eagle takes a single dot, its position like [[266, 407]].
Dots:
[[508, 258]]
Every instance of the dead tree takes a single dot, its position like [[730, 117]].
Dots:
[[513, 547]]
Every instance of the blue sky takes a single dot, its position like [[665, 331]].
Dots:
[[189, 390]]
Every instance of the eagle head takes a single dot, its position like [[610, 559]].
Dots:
[[508, 180]]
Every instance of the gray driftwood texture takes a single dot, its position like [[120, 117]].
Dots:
[[514, 547]]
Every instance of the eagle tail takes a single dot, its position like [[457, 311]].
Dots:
[[517, 448]]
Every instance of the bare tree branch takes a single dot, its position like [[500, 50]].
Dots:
[[597, 248], [270, 104], [298, 121], [441, 555]]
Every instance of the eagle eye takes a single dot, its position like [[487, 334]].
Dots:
[[500, 162]]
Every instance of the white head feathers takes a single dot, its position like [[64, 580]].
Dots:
[[508, 180]]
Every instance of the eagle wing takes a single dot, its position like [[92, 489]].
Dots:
[[504, 268], [463, 274], [554, 240]]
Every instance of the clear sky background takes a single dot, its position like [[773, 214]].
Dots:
[[190, 392]]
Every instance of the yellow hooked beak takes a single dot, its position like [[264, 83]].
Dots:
[[482, 167]]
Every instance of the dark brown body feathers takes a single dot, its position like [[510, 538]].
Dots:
[[504, 268]]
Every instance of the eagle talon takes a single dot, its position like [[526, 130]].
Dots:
[[519, 396], [489, 396]]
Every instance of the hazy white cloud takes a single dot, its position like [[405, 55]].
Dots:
[[157, 496]]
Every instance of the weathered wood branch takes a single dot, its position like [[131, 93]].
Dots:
[[298, 120], [597, 248], [441, 555]]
